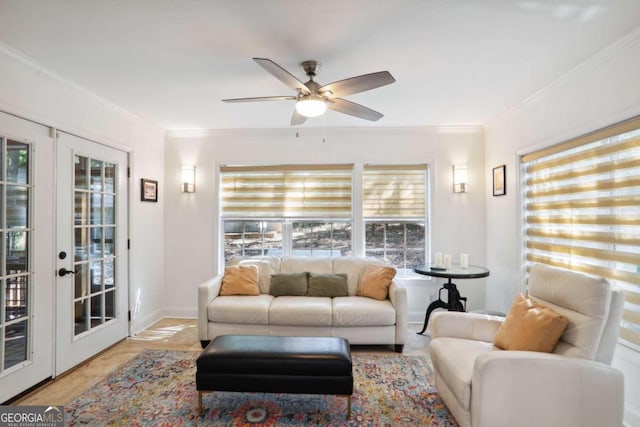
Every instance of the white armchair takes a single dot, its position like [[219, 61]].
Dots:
[[484, 386]]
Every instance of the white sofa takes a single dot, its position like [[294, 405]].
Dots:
[[575, 386], [360, 320]]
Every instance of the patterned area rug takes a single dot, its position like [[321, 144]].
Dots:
[[157, 388]]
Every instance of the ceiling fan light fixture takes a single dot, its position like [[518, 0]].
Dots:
[[311, 106]]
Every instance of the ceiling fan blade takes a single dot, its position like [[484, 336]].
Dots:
[[283, 75], [262, 98], [297, 119], [358, 84], [353, 109]]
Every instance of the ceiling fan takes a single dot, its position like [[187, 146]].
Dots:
[[312, 100]]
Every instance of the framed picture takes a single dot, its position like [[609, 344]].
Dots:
[[499, 180], [148, 190]]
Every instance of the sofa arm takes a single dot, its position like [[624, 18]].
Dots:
[[530, 389], [206, 293], [400, 301], [473, 326]]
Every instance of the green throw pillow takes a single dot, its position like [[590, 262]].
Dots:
[[328, 285], [292, 284]]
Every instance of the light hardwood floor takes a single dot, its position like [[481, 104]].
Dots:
[[168, 333]]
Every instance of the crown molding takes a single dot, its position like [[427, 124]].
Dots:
[[583, 68]]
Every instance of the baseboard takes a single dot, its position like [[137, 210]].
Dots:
[[143, 323], [416, 317], [180, 312]]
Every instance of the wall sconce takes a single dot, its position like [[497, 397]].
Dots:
[[459, 178], [188, 179]]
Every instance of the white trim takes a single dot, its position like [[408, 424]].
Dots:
[[585, 67]]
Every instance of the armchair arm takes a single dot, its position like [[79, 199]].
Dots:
[[206, 293], [399, 299], [473, 326], [534, 389]]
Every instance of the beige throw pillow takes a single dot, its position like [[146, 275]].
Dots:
[[240, 280], [530, 326], [375, 281]]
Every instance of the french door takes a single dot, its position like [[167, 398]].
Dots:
[[26, 265], [91, 256]]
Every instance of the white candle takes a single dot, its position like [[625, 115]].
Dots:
[[464, 260], [438, 260], [447, 261]]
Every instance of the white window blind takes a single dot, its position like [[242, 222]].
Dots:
[[582, 210], [394, 192], [307, 191]]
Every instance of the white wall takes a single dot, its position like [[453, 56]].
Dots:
[[191, 253], [29, 91], [603, 91]]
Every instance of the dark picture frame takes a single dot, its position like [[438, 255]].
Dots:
[[500, 180], [148, 190]]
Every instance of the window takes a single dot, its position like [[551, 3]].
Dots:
[[582, 211], [283, 210], [394, 207]]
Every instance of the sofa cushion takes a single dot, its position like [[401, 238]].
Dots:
[[584, 300], [454, 358], [240, 280], [530, 326], [362, 311], [375, 281], [240, 309], [353, 267], [327, 285], [267, 265], [290, 284], [299, 264], [300, 311]]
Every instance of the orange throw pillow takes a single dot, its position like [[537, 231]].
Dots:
[[530, 326], [240, 280], [375, 282]]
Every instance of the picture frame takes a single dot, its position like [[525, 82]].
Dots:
[[148, 190], [500, 180]]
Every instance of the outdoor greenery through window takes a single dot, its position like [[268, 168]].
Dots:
[[308, 211], [287, 210], [582, 211], [394, 206]]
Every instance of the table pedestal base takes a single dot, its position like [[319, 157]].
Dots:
[[454, 302]]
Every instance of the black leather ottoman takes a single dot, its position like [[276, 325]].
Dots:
[[271, 364]]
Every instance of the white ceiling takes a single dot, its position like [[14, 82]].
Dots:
[[171, 62]]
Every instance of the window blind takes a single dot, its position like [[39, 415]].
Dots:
[[394, 192], [582, 210], [307, 191]]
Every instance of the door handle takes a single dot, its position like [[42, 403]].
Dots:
[[63, 272]]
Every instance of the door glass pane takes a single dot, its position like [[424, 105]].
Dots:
[[96, 208], [80, 314], [109, 177], [17, 163], [17, 204], [81, 281], [109, 273], [96, 175], [109, 241], [81, 207], [96, 242], [110, 305], [16, 298], [15, 344], [80, 172], [81, 243], [109, 209], [96, 276], [17, 260], [96, 310]]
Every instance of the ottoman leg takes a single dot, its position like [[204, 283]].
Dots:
[[199, 402], [349, 407]]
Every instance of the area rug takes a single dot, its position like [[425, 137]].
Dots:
[[157, 388]]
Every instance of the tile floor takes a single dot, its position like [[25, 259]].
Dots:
[[169, 333]]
